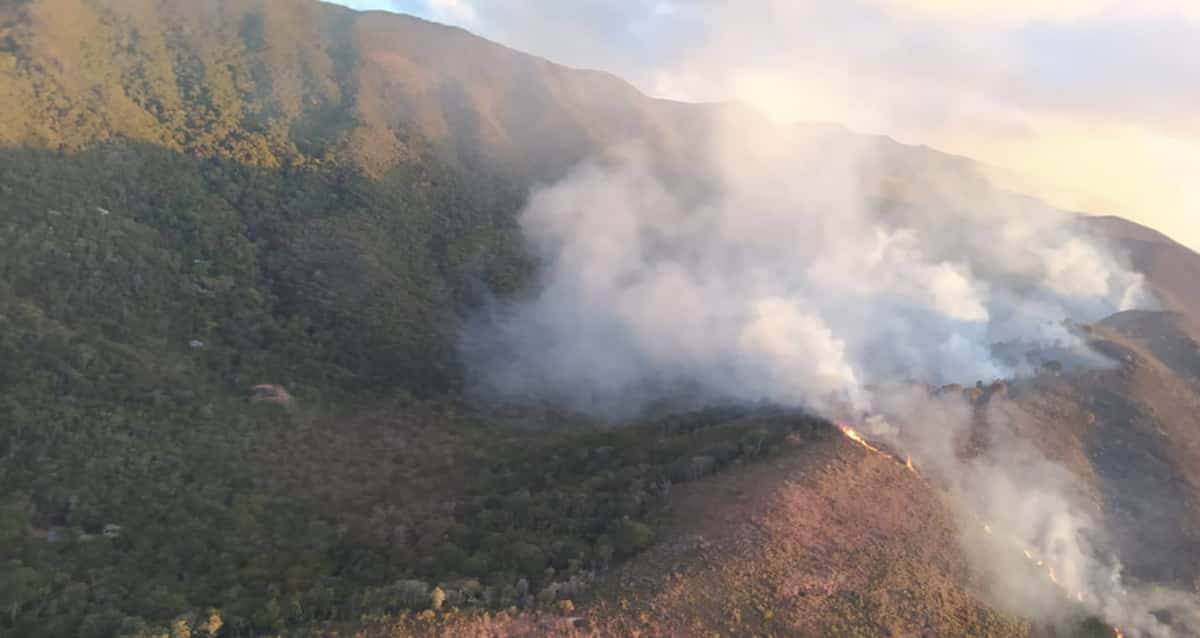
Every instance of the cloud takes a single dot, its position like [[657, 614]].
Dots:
[[1025, 11]]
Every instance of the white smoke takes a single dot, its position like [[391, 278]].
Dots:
[[1028, 527], [793, 268], [780, 278]]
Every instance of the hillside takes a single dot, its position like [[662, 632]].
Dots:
[[1170, 267], [201, 197], [286, 82], [831, 539]]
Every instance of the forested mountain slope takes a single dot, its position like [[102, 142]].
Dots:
[[199, 197], [282, 82]]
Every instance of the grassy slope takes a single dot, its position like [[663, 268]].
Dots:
[[831, 541], [1132, 433]]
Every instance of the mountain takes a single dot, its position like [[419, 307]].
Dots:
[[201, 197], [284, 82], [1170, 267]]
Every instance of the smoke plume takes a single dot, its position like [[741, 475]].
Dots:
[[780, 270], [805, 268]]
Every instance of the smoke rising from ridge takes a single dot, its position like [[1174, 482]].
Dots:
[[784, 275], [1028, 527], [804, 268]]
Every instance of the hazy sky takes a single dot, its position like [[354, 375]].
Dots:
[[1094, 104]]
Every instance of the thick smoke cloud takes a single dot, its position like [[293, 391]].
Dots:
[[780, 276], [799, 268], [1029, 529]]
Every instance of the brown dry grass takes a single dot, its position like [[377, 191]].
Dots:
[[1132, 434], [830, 541], [391, 475], [827, 540]]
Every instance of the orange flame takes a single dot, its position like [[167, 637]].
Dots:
[[853, 435]]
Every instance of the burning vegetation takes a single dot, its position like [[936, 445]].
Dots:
[[854, 435]]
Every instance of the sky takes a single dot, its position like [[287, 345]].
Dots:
[[1091, 104]]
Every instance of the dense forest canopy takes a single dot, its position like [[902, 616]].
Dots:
[[200, 197]]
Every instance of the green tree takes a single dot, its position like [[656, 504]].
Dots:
[[20, 585]]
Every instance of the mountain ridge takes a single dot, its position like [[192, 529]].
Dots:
[[323, 37]]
